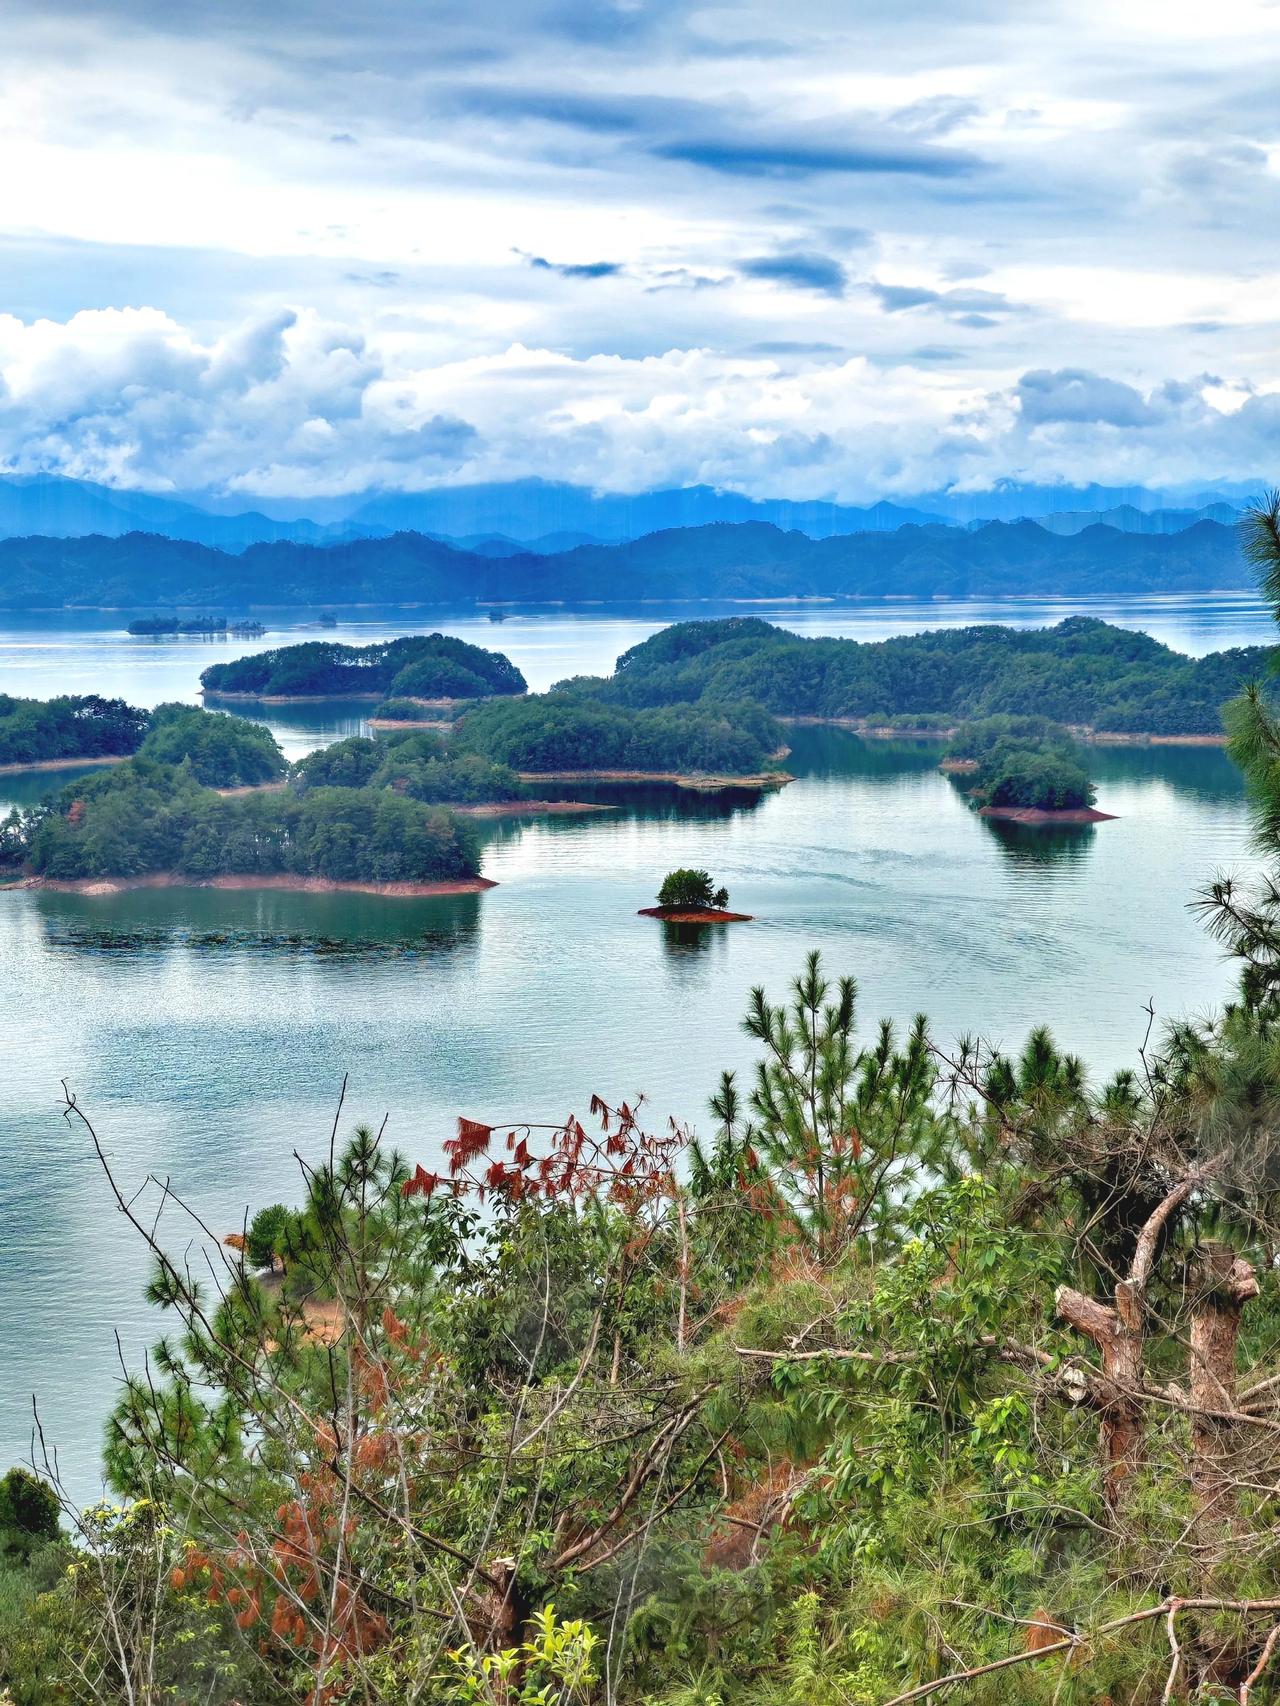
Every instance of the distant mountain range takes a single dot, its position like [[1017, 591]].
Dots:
[[1131, 520], [747, 560], [517, 516]]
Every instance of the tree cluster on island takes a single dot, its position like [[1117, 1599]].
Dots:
[[1022, 762], [577, 727], [417, 666], [150, 627], [142, 818], [692, 890], [418, 765]]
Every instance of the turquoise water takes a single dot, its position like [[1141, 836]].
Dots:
[[208, 1033]]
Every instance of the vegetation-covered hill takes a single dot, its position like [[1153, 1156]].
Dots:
[[722, 561], [567, 729], [35, 731], [1022, 762], [418, 666], [416, 765], [1081, 672], [220, 751], [141, 818]]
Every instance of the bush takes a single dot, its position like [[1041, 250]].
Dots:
[[28, 1510]]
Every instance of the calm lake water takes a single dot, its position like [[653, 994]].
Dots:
[[208, 1033]]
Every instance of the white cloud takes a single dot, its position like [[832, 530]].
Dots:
[[291, 405]]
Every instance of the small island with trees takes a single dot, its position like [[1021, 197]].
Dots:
[[692, 897], [1024, 769], [433, 667]]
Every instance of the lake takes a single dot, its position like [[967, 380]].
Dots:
[[208, 1033]]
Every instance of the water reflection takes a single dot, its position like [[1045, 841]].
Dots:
[[1041, 845], [300, 728], [648, 802], [1202, 772], [824, 753], [245, 922]]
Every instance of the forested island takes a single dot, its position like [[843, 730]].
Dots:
[[367, 818], [157, 627], [1081, 672], [1026, 768], [419, 666], [146, 820]]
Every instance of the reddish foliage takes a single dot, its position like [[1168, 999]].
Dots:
[[421, 1184], [624, 1165], [747, 1520]]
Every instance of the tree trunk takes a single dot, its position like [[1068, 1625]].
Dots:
[[1117, 1332], [1221, 1283]]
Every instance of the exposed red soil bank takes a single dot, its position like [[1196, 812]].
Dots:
[[277, 880], [767, 779], [1033, 814], [59, 764], [528, 808], [694, 915]]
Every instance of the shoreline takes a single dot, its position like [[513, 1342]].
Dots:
[[529, 808], [64, 763], [695, 915], [1082, 732], [346, 698], [1039, 817], [706, 784], [407, 723], [265, 880]]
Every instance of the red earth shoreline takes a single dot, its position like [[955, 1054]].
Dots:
[[694, 915], [278, 880], [1034, 815]]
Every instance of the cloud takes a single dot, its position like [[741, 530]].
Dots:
[[285, 404], [580, 269], [793, 157], [1074, 394], [290, 405], [807, 271], [967, 307]]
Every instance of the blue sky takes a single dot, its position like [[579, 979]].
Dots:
[[843, 250]]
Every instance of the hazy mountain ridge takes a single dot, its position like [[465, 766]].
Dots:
[[724, 561], [507, 518]]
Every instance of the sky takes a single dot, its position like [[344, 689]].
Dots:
[[844, 249]]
